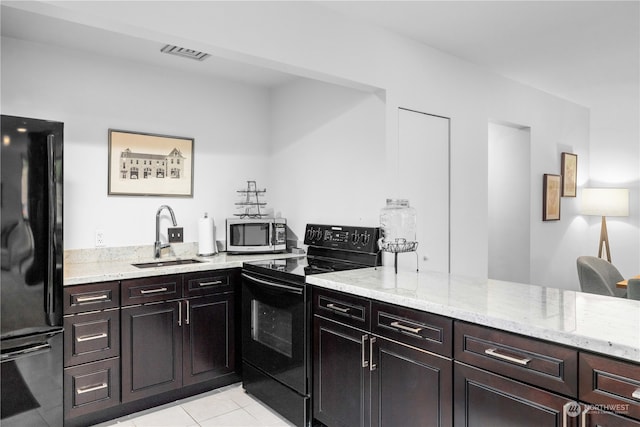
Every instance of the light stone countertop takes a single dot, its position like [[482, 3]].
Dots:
[[601, 324], [84, 266]]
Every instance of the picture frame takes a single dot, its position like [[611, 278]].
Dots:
[[551, 197], [569, 174], [146, 164]]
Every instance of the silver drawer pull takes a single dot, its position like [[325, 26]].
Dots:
[[217, 282], [153, 291], [636, 394], [406, 328], [363, 341], [332, 306], [90, 389], [90, 299], [91, 337], [494, 352]]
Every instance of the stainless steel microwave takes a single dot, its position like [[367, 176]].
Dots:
[[256, 235]]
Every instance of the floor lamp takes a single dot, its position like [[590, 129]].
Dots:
[[605, 202]]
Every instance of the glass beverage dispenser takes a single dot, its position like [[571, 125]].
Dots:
[[398, 223]]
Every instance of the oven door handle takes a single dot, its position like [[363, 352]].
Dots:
[[279, 286]]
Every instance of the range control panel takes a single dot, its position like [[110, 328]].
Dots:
[[352, 238]]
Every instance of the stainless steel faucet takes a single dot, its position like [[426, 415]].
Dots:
[[158, 246]]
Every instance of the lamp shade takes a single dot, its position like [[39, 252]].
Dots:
[[605, 201]]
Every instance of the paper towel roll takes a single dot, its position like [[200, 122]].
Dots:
[[206, 236]]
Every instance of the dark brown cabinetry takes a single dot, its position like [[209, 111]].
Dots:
[[178, 332], [607, 386], [384, 378], [151, 349], [91, 348], [506, 379]]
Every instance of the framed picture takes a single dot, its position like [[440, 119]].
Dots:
[[551, 197], [143, 164], [569, 174]]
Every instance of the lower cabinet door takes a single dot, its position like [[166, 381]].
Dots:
[[341, 374], [409, 387], [485, 399], [209, 337], [151, 349], [91, 387], [595, 417]]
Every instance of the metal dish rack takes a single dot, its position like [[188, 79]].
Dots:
[[397, 247]]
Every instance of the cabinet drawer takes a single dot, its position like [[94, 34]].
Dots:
[[91, 387], [91, 336], [612, 382], [159, 288], [547, 365], [423, 330], [98, 296], [208, 282], [349, 309]]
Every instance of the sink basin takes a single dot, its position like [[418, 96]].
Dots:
[[169, 263]]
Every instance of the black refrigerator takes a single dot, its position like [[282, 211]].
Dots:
[[31, 364]]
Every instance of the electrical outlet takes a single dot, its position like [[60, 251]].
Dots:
[[100, 243], [175, 234]]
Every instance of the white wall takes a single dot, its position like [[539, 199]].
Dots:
[[509, 206], [311, 40], [229, 122], [326, 155]]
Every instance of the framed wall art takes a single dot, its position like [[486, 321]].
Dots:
[[144, 164], [551, 197], [569, 174]]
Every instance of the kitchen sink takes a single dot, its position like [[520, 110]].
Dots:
[[169, 263]]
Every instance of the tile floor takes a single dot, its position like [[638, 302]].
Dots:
[[225, 407]]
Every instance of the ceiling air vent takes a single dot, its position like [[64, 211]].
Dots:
[[185, 53]]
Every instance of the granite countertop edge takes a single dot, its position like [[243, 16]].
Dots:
[[608, 333]]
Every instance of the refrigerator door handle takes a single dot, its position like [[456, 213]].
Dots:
[[40, 347], [49, 299]]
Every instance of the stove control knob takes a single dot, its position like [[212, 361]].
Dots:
[[310, 233], [355, 237], [365, 238], [317, 235]]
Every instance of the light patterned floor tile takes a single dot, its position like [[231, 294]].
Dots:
[[266, 416], [237, 418], [209, 406], [170, 417]]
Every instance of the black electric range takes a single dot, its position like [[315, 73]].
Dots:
[[330, 248], [276, 314]]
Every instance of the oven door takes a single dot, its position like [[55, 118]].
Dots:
[[274, 328]]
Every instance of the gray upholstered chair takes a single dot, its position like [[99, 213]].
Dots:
[[598, 276], [633, 289]]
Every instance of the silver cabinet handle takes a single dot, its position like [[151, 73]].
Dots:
[[636, 394], [186, 321], [372, 366], [153, 291], [179, 313], [217, 282], [91, 337], [365, 363], [585, 410], [406, 328], [332, 306], [90, 299], [494, 352], [90, 389]]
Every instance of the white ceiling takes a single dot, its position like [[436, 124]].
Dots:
[[25, 25], [584, 51]]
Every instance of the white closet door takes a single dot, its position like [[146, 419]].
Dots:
[[423, 176]]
